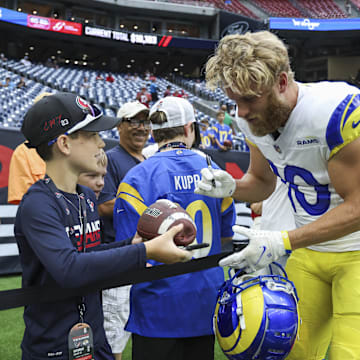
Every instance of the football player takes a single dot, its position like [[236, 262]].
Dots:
[[308, 136]]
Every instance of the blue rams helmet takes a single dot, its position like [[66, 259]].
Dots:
[[256, 317]]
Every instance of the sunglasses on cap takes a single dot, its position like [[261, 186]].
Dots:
[[93, 113]]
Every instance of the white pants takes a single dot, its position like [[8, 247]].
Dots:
[[116, 309]]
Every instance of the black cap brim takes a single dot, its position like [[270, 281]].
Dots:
[[102, 123]]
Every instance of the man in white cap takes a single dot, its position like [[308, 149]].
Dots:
[[172, 318], [134, 129]]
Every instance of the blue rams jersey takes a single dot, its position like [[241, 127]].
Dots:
[[180, 306], [51, 244], [222, 132], [206, 137], [325, 119]]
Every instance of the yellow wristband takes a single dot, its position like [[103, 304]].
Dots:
[[286, 240]]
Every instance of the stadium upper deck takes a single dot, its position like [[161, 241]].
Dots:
[[260, 9]]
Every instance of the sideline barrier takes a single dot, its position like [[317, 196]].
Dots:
[[20, 297]]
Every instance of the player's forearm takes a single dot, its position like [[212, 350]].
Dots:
[[252, 189], [338, 222]]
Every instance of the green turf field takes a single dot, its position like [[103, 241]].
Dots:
[[12, 327]]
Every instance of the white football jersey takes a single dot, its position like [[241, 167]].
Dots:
[[325, 119]]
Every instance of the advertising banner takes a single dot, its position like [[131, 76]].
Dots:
[[149, 39], [123, 36], [12, 16], [56, 25], [314, 24], [231, 23]]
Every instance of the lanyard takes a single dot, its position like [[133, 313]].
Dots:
[[173, 145], [83, 221], [64, 204]]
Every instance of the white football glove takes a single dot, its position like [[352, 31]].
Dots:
[[215, 183], [264, 248]]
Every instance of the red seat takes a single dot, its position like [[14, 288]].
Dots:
[[322, 8], [282, 8]]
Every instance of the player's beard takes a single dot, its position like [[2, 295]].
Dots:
[[275, 116]]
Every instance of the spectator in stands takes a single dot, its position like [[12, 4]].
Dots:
[[52, 252], [25, 61], [99, 76], [144, 96], [197, 87], [167, 92], [21, 84], [147, 75], [85, 84], [110, 78], [3, 57], [8, 83], [172, 318], [222, 133], [26, 167], [154, 90], [308, 136], [180, 93], [228, 120], [348, 7], [95, 179], [232, 111], [206, 134], [134, 129]]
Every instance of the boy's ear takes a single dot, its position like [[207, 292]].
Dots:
[[63, 144], [188, 128]]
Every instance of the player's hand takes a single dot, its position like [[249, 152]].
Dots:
[[264, 248], [215, 183], [163, 249]]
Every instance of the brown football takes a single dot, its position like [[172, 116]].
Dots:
[[227, 143], [163, 215]]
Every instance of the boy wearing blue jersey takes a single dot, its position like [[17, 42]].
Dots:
[[222, 133], [172, 318], [308, 135], [57, 228], [206, 135]]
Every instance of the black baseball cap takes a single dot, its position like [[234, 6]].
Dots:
[[62, 113]]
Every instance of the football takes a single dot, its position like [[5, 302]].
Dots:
[[163, 215], [227, 143]]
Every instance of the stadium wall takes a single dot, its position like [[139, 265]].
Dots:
[[340, 68]]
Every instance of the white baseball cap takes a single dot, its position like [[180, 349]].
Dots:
[[178, 112], [131, 109]]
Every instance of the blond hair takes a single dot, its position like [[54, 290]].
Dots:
[[249, 64]]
